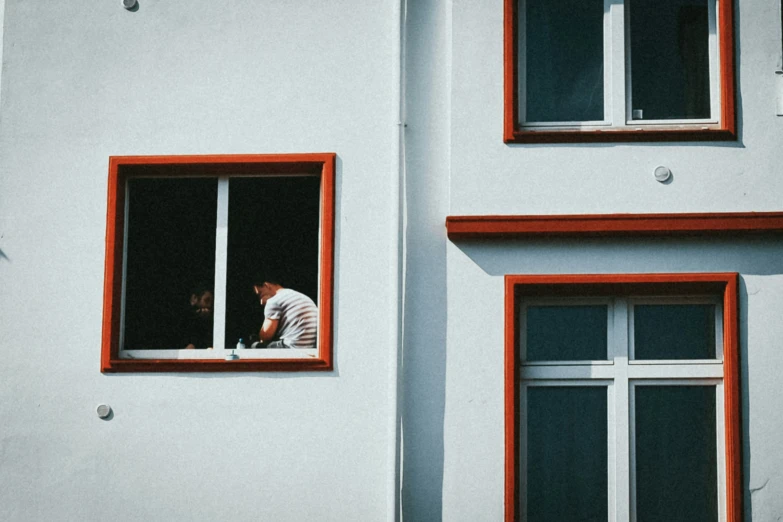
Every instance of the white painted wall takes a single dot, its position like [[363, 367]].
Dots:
[[459, 165], [488, 176], [473, 426], [85, 80]]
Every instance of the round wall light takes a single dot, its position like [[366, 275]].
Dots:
[[104, 411], [662, 173]]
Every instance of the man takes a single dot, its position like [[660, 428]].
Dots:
[[195, 329], [290, 317]]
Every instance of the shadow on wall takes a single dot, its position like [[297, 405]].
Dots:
[[424, 377], [423, 370], [757, 255], [761, 299]]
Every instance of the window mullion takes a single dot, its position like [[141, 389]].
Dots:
[[611, 440], [221, 255], [714, 60], [608, 68], [720, 431], [125, 221], [617, 51], [622, 469], [522, 64], [522, 449]]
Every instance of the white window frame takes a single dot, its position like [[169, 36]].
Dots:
[[618, 105], [610, 413], [621, 377], [218, 350], [720, 430], [563, 302], [709, 300]]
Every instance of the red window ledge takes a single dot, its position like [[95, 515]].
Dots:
[[486, 227]]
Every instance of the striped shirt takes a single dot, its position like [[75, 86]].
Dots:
[[297, 315]]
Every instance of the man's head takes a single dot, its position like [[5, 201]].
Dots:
[[202, 301], [266, 284], [265, 291]]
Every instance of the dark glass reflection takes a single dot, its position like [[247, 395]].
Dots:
[[566, 333], [170, 249], [674, 331], [670, 59], [676, 454], [562, 41], [566, 454], [273, 226]]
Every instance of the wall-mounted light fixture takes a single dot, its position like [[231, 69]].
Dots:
[[662, 173], [104, 411]]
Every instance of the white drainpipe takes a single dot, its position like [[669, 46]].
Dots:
[[396, 267]]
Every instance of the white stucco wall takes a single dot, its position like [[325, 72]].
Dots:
[[473, 471], [488, 177], [463, 165], [86, 80], [83, 81]]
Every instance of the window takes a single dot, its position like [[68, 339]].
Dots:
[[192, 242], [622, 398], [614, 70]]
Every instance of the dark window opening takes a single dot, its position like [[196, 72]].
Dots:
[[273, 228], [170, 250], [564, 52], [563, 333], [670, 71]]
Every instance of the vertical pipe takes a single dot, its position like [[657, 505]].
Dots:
[[396, 266]]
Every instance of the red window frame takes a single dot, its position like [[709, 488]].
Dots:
[[121, 168], [513, 132], [719, 284]]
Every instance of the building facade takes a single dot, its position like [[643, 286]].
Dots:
[[457, 225]]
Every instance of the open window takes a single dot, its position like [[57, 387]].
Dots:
[[619, 70], [622, 398], [189, 241]]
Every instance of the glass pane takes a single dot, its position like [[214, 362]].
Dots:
[[566, 454], [170, 251], [566, 333], [562, 42], [669, 59], [272, 230], [674, 331], [676, 454]]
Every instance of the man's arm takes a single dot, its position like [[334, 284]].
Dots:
[[268, 330]]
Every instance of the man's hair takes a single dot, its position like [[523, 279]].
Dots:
[[265, 275], [200, 289]]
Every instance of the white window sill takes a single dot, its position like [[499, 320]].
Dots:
[[221, 354]]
